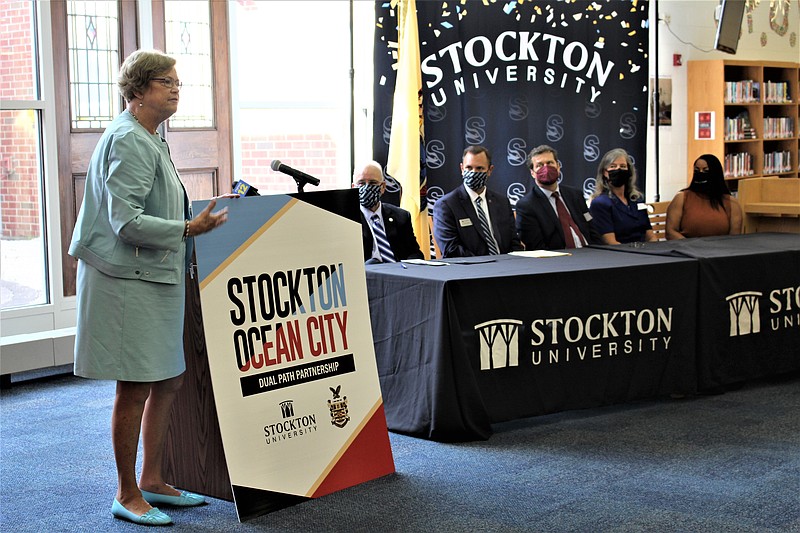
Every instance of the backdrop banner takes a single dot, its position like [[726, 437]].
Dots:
[[287, 325], [513, 75]]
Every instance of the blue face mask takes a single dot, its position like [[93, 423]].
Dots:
[[369, 195], [475, 180]]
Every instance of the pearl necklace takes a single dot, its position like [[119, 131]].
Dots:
[[142, 125]]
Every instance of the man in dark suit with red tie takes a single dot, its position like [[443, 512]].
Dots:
[[471, 219], [552, 216], [385, 229]]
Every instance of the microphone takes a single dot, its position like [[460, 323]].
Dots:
[[242, 188], [300, 177]]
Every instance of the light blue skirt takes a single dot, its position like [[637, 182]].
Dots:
[[128, 330]]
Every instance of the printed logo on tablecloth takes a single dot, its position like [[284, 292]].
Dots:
[[574, 339], [499, 343], [745, 309], [744, 312]]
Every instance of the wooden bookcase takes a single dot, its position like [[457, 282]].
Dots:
[[715, 87]]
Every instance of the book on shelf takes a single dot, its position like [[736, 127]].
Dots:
[[777, 92], [777, 162], [739, 128], [778, 127], [742, 92], [738, 165]]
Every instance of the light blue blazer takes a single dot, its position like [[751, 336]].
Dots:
[[132, 219]]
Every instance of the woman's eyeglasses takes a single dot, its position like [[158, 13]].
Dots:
[[169, 83]]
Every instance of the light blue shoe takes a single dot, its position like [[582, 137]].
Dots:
[[153, 517], [186, 499]]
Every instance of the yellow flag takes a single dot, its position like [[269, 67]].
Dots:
[[406, 142]]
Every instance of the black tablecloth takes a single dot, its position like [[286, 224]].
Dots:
[[748, 320], [460, 347]]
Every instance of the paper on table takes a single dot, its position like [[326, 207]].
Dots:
[[424, 262], [475, 260], [539, 253]]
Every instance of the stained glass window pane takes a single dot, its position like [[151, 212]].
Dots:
[[188, 36], [93, 54]]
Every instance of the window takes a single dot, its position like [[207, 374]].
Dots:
[[93, 33], [188, 36], [291, 75], [23, 274]]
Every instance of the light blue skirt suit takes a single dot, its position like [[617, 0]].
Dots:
[[132, 259]]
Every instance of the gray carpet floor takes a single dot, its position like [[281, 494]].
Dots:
[[725, 463]]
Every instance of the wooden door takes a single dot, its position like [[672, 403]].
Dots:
[[201, 155]]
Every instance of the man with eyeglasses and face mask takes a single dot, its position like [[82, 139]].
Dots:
[[552, 216], [472, 220], [386, 230]]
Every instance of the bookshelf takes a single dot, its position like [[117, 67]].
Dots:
[[745, 113]]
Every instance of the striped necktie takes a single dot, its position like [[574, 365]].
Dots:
[[487, 233], [384, 249]]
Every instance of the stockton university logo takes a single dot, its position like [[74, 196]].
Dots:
[[744, 313], [499, 343], [287, 408]]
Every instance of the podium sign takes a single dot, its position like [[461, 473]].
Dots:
[[286, 318]]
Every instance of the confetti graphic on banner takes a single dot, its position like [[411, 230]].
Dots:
[[513, 75]]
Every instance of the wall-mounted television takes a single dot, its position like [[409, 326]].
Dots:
[[729, 25]]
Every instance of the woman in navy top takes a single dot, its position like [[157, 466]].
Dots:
[[618, 210]]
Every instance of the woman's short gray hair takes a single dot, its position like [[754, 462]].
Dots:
[[139, 68]]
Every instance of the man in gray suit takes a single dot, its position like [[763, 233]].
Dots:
[[552, 216], [459, 228]]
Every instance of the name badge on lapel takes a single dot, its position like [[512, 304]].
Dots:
[[464, 222]]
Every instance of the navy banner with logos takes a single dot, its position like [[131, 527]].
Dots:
[[511, 76]]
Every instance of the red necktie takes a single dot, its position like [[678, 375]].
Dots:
[[566, 222]]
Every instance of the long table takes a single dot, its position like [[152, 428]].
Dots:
[[748, 319], [462, 346]]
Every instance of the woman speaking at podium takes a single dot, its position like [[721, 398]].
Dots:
[[132, 242]]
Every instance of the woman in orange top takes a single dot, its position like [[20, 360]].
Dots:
[[705, 207]]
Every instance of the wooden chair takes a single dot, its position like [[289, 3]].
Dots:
[[770, 204], [657, 211]]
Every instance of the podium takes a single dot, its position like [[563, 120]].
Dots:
[[264, 238]]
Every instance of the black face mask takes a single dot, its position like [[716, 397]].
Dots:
[[700, 181], [619, 176]]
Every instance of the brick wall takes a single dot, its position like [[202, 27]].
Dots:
[[313, 154], [19, 131]]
